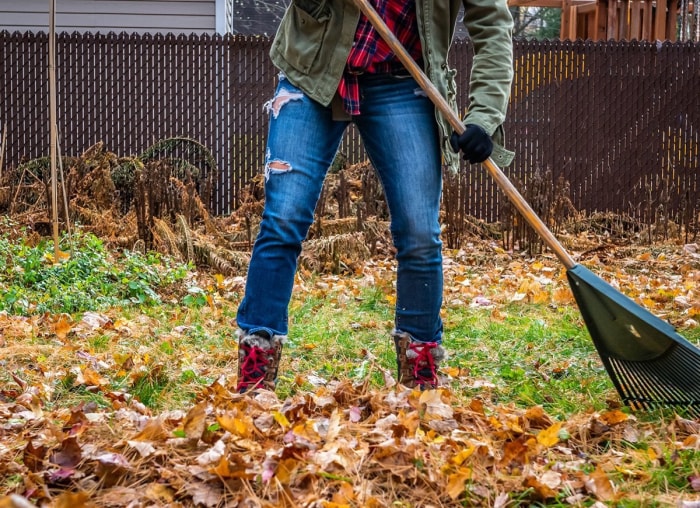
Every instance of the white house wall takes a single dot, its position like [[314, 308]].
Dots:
[[140, 16]]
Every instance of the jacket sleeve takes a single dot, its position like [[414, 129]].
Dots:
[[490, 27]]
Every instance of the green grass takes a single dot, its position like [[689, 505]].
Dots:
[[524, 354]]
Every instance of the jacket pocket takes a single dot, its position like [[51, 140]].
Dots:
[[302, 34]]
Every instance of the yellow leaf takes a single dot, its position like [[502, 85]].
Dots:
[[460, 457], [550, 436], [235, 426], [280, 418], [72, 500], [160, 492], [514, 426], [286, 469], [456, 481], [451, 371], [539, 295]]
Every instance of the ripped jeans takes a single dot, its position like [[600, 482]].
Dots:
[[399, 132]]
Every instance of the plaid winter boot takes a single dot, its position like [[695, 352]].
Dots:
[[418, 361], [258, 360]]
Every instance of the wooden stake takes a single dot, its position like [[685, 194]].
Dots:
[[2, 148], [52, 120]]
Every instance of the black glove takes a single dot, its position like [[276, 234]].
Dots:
[[474, 143]]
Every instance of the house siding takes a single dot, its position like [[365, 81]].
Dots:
[[140, 16]]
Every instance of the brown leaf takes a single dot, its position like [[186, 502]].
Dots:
[[154, 430], [195, 422], [537, 418], [598, 483], [68, 455], [433, 406], [205, 494], [33, 456], [73, 500], [540, 491], [517, 452], [112, 468]]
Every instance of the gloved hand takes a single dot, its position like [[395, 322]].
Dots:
[[475, 144]]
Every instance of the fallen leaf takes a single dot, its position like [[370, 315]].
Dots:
[[598, 483], [433, 406], [195, 423], [549, 437], [456, 482]]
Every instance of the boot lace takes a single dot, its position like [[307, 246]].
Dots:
[[254, 365], [424, 368]]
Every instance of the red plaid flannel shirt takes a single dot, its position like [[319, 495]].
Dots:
[[371, 55]]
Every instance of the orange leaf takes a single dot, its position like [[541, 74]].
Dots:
[[456, 481], [62, 326], [614, 417]]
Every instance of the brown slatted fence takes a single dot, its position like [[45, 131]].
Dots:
[[618, 120]]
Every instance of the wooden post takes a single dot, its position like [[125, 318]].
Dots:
[[635, 25], [660, 20], [613, 21], [52, 119], [564, 29], [647, 31], [600, 25], [623, 18], [671, 21]]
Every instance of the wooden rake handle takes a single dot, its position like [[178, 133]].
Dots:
[[496, 173]]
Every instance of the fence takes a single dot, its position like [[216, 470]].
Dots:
[[619, 121]]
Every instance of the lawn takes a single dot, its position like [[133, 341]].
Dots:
[[118, 373]]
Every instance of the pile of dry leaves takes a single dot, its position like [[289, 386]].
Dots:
[[342, 446]]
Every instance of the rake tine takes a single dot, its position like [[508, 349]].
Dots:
[[679, 363], [656, 391], [645, 391], [655, 394]]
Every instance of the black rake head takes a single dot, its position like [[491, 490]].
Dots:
[[649, 363]]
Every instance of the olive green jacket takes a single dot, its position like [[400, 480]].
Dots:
[[314, 39]]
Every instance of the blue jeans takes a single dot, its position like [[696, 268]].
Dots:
[[399, 132]]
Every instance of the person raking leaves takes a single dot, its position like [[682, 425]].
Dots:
[[334, 70]]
